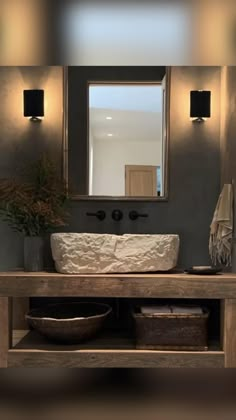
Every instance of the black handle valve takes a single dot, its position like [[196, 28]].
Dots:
[[100, 214], [134, 215], [117, 215]]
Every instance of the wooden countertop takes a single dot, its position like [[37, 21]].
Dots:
[[151, 285]]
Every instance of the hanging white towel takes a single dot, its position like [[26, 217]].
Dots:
[[221, 229]]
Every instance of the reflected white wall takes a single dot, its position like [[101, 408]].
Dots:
[[110, 158]]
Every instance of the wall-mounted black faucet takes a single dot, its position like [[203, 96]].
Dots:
[[117, 215], [134, 215], [100, 214]]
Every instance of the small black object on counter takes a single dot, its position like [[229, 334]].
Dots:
[[203, 269]]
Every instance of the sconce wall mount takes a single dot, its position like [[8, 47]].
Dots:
[[34, 104], [200, 105]]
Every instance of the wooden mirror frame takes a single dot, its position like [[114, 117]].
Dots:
[[83, 115]]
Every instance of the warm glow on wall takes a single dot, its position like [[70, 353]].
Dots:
[[53, 102], [187, 80], [213, 32], [17, 128], [22, 32]]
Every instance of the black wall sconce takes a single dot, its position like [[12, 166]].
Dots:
[[200, 104], [34, 104]]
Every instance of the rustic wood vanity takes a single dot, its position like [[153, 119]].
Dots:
[[115, 350]]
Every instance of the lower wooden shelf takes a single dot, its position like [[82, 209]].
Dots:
[[111, 350]]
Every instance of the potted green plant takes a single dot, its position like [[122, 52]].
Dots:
[[34, 206]]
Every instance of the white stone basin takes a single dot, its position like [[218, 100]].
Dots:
[[90, 253]]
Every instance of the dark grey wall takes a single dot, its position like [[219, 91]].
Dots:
[[194, 171], [228, 130], [22, 141]]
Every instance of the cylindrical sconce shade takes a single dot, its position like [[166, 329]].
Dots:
[[34, 104], [200, 104]]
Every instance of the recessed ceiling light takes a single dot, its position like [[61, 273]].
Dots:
[[108, 118], [110, 134]]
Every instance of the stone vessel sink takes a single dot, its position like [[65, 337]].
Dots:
[[90, 253]]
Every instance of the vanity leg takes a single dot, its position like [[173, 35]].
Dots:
[[5, 330], [230, 333]]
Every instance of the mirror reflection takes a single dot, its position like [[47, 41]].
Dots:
[[127, 139]]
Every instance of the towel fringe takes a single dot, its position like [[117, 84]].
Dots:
[[220, 252]]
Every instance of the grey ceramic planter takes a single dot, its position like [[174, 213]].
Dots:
[[33, 253]]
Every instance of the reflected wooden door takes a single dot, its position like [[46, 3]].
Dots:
[[140, 181]]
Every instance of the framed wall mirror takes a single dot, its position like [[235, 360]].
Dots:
[[116, 132]]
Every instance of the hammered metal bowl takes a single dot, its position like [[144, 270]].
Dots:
[[69, 323]]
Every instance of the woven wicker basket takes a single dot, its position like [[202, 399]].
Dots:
[[171, 331]]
